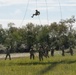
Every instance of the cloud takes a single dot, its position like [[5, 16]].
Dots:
[[52, 4], [74, 4], [39, 2], [72, 1], [57, 4], [11, 2], [18, 23], [16, 13]]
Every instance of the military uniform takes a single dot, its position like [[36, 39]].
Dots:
[[71, 51], [52, 51], [32, 53], [46, 51], [36, 13], [8, 53], [41, 53], [62, 48]]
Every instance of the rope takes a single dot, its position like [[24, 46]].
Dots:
[[38, 16], [36, 4], [25, 12], [60, 10], [47, 12]]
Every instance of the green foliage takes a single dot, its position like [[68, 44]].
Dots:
[[55, 34], [43, 34]]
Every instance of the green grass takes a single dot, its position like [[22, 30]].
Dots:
[[56, 65]]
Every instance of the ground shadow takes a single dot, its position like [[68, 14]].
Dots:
[[45, 70], [50, 64], [45, 63], [53, 65]]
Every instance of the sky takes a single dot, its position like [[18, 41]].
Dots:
[[19, 12]]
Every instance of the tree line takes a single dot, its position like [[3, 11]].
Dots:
[[54, 35]]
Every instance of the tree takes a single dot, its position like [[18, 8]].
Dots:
[[10, 24], [70, 22], [43, 34]]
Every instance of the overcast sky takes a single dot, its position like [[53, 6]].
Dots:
[[50, 11]]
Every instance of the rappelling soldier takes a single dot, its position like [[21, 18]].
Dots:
[[36, 13]]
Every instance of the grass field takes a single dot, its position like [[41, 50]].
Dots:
[[56, 65]]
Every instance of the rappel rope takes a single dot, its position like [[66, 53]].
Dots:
[[25, 12]]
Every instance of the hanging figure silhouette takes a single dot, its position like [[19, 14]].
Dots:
[[36, 13]]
